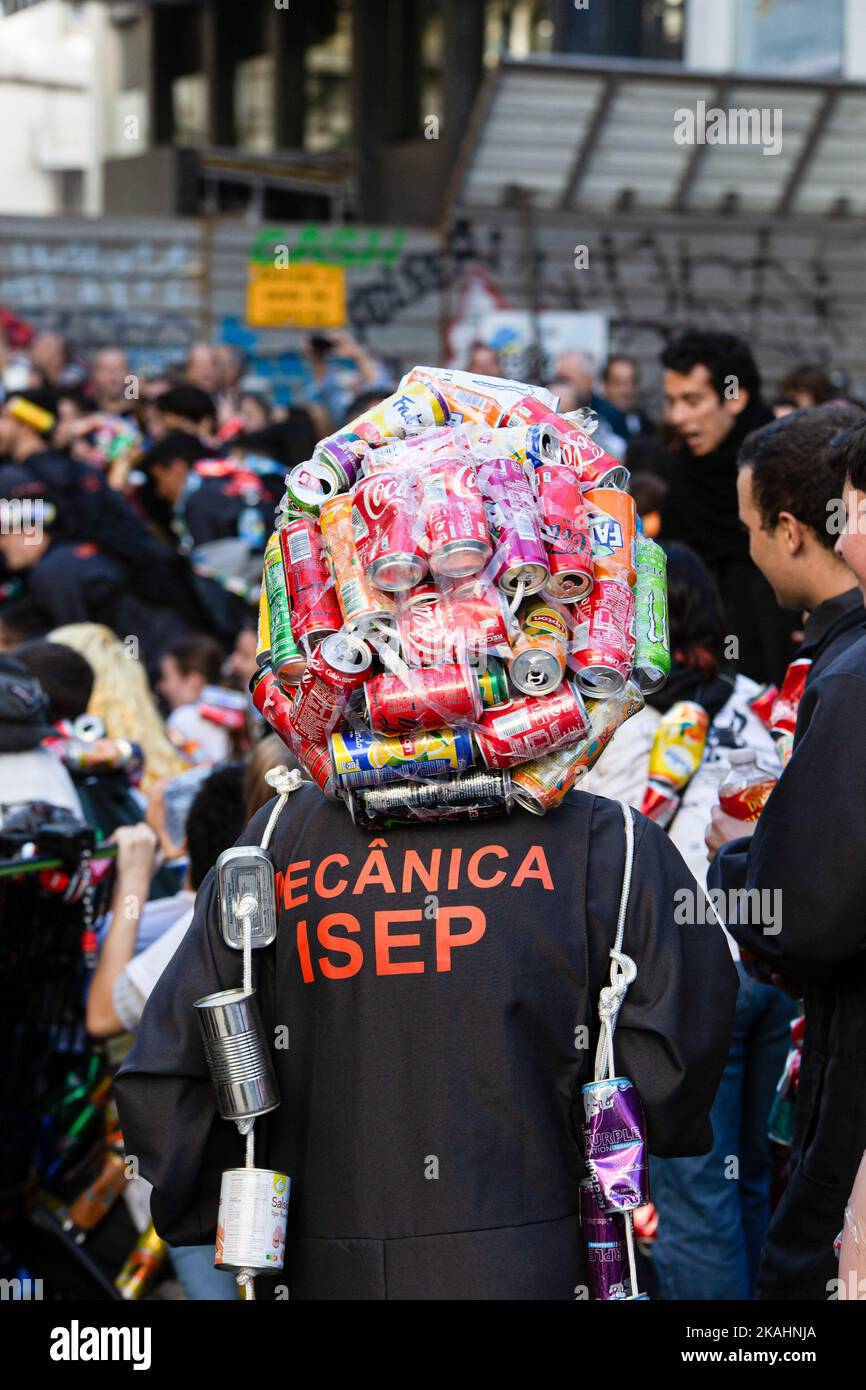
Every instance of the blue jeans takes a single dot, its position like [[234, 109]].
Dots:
[[194, 1267], [713, 1214]]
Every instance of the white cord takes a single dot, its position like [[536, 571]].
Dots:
[[623, 970]]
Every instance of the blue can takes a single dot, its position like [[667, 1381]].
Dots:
[[360, 758]]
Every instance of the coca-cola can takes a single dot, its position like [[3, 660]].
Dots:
[[476, 621], [566, 533], [421, 627], [315, 611], [315, 759], [521, 730], [388, 531], [604, 660], [423, 699], [338, 667], [594, 465], [455, 519], [272, 703]]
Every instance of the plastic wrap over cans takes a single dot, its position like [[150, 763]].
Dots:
[[458, 609]]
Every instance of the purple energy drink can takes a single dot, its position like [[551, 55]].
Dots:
[[604, 1241], [614, 1137], [520, 555]]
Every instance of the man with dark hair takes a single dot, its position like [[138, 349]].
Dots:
[[807, 846], [713, 400], [808, 386], [64, 674], [619, 404], [188, 408]]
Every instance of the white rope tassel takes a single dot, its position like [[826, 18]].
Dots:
[[623, 970], [283, 783]]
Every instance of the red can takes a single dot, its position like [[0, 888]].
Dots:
[[476, 620], [315, 611], [604, 663], [521, 730], [421, 627], [594, 465], [424, 699], [388, 530], [566, 532], [783, 716], [338, 666], [316, 761], [273, 704], [455, 519]]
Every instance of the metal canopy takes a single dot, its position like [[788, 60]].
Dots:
[[581, 134]]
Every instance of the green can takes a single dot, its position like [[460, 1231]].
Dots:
[[652, 657], [493, 683], [286, 660]]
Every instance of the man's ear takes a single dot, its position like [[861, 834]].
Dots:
[[736, 402], [793, 531]]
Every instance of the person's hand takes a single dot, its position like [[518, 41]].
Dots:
[[155, 818], [344, 345], [137, 847], [724, 828]]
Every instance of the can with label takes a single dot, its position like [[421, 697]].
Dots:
[[423, 698], [338, 666], [469, 796], [613, 526], [783, 714], [344, 454], [362, 759], [675, 756], [520, 556], [421, 627], [524, 729], [416, 407], [566, 532], [493, 682], [542, 785], [273, 704], [652, 656], [364, 607], [316, 762], [594, 466], [388, 530], [455, 519], [227, 708], [476, 620], [502, 389], [538, 661], [603, 1234], [287, 661], [310, 485], [263, 631], [602, 654], [251, 1221], [315, 611]]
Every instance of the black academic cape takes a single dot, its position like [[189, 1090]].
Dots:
[[439, 984], [808, 849]]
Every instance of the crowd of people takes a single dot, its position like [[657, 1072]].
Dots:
[[133, 519]]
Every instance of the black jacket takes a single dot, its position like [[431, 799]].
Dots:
[[808, 846], [435, 981], [831, 628]]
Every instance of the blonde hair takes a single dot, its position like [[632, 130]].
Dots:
[[122, 698]]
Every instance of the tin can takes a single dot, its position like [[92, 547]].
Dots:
[[524, 729], [613, 526], [469, 796], [538, 662], [602, 652], [476, 620], [227, 708], [566, 533], [421, 627], [338, 666], [455, 519], [138, 1274], [343, 454], [362, 759], [652, 656], [542, 785], [316, 762], [287, 662], [272, 703], [492, 683], [761, 704], [237, 1055], [363, 606], [783, 715], [603, 1235], [388, 531], [520, 556], [416, 407], [315, 611], [503, 390], [614, 1142], [426, 698], [251, 1221], [675, 756], [263, 630], [594, 466], [310, 485]]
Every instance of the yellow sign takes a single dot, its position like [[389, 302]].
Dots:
[[306, 295]]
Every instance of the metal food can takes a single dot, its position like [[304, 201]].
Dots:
[[502, 389], [520, 556], [493, 683], [416, 407], [613, 526], [604, 660], [337, 668], [316, 762], [310, 485], [470, 796], [421, 627], [287, 662], [423, 698], [604, 1241], [476, 620], [455, 519], [594, 465], [263, 630], [388, 532], [237, 1054], [652, 656], [523, 729], [344, 454], [272, 703], [315, 611], [363, 606], [363, 759], [566, 533], [543, 784], [251, 1221], [538, 661]]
